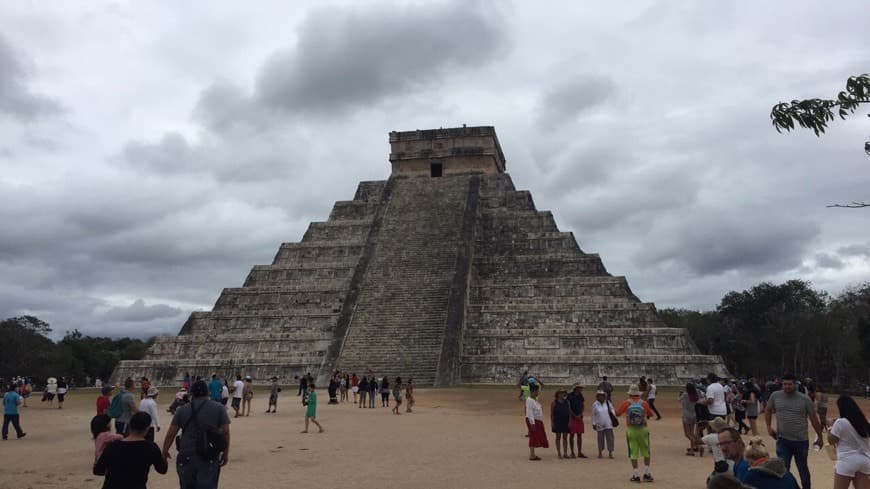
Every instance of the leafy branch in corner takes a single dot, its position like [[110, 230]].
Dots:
[[815, 113]]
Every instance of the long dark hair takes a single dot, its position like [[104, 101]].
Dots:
[[692, 392], [849, 409], [101, 423]]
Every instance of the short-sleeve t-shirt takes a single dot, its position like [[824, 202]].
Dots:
[[208, 413], [127, 403], [312, 404], [791, 414], [103, 404], [126, 464], [850, 441], [214, 389], [716, 392], [238, 389], [10, 403]]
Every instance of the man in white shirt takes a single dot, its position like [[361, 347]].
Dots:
[[238, 389], [149, 405], [716, 397]]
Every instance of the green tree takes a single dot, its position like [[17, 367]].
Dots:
[[815, 113]]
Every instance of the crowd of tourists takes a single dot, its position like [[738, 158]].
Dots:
[[713, 413]]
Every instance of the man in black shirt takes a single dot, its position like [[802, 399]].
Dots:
[[126, 463]]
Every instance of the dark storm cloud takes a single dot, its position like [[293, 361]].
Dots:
[[352, 57], [827, 260], [16, 98]]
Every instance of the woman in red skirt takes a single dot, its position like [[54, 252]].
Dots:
[[535, 422]]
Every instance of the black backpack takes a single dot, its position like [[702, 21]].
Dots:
[[209, 442]]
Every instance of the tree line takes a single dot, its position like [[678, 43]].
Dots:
[[791, 327], [26, 350]]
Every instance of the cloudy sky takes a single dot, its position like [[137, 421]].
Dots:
[[152, 152]]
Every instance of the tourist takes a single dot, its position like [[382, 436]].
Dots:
[[101, 428], [560, 420], [606, 386], [354, 387], [821, 401], [247, 396], [602, 422], [739, 409], [311, 411], [225, 393], [643, 386], [651, 398], [765, 472], [149, 405], [186, 382], [303, 386], [238, 393], [11, 401], [342, 388], [637, 412], [535, 423], [62, 388], [214, 388], [751, 398], [523, 381], [332, 389], [397, 394], [688, 400], [373, 390], [575, 426], [50, 391], [126, 407], [711, 442], [851, 435], [363, 391], [409, 395], [792, 410], [732, 449], [715, 395], [104, 400], [126, 463], [201, 415], [274, 389], [144, 385], [385, 392], [181, 398], [525, 390]]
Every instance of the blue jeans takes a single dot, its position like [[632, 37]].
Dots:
[[786, 449], [196, 473]]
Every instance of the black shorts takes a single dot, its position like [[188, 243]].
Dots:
[[60, 397], [237, 402]]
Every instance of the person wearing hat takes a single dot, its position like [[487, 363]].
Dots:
[[200, 415], [273, 396], [636, 412], [149, 405], [602, 423], [575, 424], [104, 400]]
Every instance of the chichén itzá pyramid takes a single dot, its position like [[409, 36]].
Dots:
[[445, 273]]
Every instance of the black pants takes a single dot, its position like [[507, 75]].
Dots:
[[652, 405], [739, 416], [385, 398], [11, 418]]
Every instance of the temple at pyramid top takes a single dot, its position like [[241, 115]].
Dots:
[[451, 151], [443, 272]]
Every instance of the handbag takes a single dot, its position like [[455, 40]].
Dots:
[[613, 419]]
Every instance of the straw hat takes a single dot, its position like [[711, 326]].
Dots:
[[577, 385], [152, 391], [718, 424], [633, 391]]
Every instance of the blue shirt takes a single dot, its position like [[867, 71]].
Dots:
[[215, 387], [741, 469], [10, 402]]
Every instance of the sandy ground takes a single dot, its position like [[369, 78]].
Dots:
[[456, 438]]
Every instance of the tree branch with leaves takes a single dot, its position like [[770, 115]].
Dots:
[[816, 113]]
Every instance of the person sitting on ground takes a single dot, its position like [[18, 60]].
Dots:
[[126, 463], [732, 448], [766, 472]]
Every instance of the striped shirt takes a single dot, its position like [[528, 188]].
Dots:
[[791, 414]]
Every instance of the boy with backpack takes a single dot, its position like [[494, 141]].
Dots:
[[636, 413], [123, 407]]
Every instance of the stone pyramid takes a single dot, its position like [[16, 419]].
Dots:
[[445, 273]]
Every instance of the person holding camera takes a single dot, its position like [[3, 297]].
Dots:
[[204, 444]]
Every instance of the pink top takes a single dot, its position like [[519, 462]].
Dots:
[[102, 440]]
